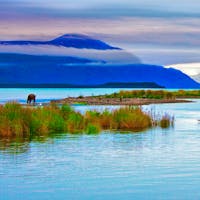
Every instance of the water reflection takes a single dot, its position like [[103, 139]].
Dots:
[[18, 145], [161, 163], [14, 145], [120, 140], [186, 122]]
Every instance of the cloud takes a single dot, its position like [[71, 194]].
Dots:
[[156, 31], [100, 9], [159, 32], [166, 56], [110, 56], [188, 68]]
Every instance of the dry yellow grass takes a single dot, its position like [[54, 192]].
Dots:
[[16, 120]]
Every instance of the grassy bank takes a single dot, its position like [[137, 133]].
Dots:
[[155, 94], [134, 97], [16, 120]]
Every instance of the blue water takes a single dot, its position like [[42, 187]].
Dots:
[[47, 94], [154, 164]]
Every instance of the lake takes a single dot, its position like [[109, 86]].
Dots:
[[47, 94], [153, 164]]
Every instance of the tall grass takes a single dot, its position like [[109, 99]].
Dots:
[[155, 94], [166, 121], [16, 120]]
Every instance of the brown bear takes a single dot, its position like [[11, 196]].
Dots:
[[30, 98]]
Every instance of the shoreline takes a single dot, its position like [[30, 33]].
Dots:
[[88, 100]]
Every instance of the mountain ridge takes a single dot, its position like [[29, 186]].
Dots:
[[67, 40], [94, 74], [19, 68], [106, 85], [26, 58]]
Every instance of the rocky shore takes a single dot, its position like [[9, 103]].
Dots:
[[88, 100]]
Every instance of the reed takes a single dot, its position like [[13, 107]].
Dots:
[[92, 129], [155, 94], [166, 121], [131, 118], [16, 120]]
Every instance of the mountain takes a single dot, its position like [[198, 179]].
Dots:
[[106, 85], [93, 74], [7, 59], [68, 40], [71, 45], [88, 62], [196, 78]]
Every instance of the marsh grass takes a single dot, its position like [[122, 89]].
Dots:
[[92, 129], [166, 121], [154, 94], [16, 120]]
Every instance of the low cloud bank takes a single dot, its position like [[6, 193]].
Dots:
[[110, 56], [191, 69]]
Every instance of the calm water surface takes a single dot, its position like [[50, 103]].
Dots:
[[154, 164], [47, 94]]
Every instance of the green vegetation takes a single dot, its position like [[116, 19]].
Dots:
[[19, 121], [155, 94], [165, 122], [187, 93], [80, 103]]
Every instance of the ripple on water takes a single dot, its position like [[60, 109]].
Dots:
[[153, 164]]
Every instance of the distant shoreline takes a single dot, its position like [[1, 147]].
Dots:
[[133, 85], [134, 97], [116, 101]]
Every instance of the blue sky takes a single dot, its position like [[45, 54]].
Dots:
[[157, 24]]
